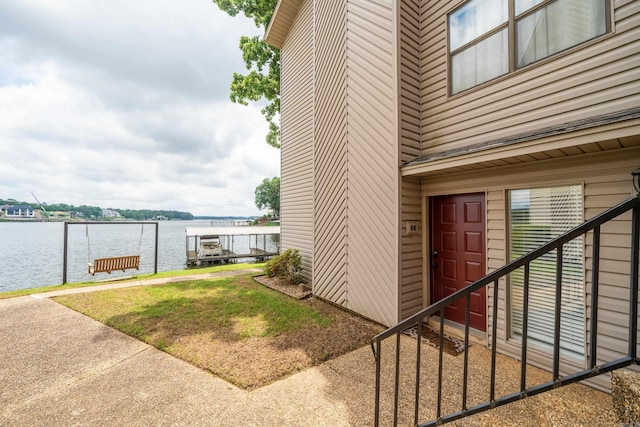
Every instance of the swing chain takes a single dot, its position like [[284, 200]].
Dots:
[[89, 241]]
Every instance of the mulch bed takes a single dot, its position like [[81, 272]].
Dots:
[[299, 292], [451, 345]]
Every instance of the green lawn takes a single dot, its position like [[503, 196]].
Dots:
[[238, 304], [176, 273], [233, 327]]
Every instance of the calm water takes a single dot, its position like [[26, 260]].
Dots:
[[31, 253]]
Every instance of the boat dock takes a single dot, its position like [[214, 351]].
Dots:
[[222, 245]]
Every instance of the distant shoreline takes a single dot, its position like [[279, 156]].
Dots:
[[214, 218]]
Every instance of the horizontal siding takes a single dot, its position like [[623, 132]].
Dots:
[[432, 55], [496, 258], [599, 78], [330, 275], [296, 185], [373, 186], [411, 257], [607, 181], [410, 80], [615, 263], [603, 191]]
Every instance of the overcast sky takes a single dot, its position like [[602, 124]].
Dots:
[[125, 104]]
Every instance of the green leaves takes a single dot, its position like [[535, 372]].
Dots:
[[261, 60], [286, 266], [258, 10], [268, 195]]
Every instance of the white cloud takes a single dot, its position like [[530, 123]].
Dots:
[[126, 105]]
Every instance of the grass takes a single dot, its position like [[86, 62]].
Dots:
[[165, 274], [233, 327], [203, 270]]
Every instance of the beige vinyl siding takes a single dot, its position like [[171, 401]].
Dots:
[[496, 204], [343, 142], [373, 164], [599, 77], [411, 261], [433, 64], [281, 22], [607, 181], [410, 79], [600, 192], [330, 240], [296, 204]]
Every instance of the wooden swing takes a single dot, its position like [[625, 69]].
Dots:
[[107, 265]]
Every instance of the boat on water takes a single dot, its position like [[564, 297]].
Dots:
[[210, 246], [218, 245]]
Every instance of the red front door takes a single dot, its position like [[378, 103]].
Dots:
[[458, 254]]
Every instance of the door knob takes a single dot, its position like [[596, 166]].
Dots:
[[435, 254]]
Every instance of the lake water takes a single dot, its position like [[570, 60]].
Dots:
[[31, 253]]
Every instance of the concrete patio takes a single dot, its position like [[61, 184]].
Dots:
[[60, 368]]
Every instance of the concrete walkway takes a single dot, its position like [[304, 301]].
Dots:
[[60, 368]]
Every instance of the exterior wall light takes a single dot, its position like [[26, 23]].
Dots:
[[636, 181]]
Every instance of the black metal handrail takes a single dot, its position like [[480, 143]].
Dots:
[[417, 320]]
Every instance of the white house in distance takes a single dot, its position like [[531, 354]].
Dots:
[[426, 143], [19, 212], [110, 213]]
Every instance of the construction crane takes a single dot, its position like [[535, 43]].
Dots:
[[44, 211]]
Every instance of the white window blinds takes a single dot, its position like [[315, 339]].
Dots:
[[558, 26], [536, 217], [490, 38]]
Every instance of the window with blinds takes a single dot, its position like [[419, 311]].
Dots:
[[537, 216], [490, 38]]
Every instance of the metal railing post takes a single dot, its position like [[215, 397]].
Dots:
[[494, 340], [633, 283], [418, 361], [378, 357], [558, 316], [525, 329], [595, 285], [440, 364], [64, 257], [465, 373], [397, 381], [155, 262]]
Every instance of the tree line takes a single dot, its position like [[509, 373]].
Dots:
[[144, 214], [93, 212]]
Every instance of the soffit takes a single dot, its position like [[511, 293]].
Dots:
[[281, 21], [598, 134]]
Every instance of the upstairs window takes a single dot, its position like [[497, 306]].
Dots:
[[490, 38]]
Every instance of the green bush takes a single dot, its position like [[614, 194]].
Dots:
[[287, 267]]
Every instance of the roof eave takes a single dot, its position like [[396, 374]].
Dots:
[[281, 21]]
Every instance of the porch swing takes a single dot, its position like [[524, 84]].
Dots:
[[107, 265]]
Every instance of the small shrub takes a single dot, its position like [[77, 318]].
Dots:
[[287, 267]]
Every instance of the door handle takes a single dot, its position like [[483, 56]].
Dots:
[[434, 265], [435, 254]]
